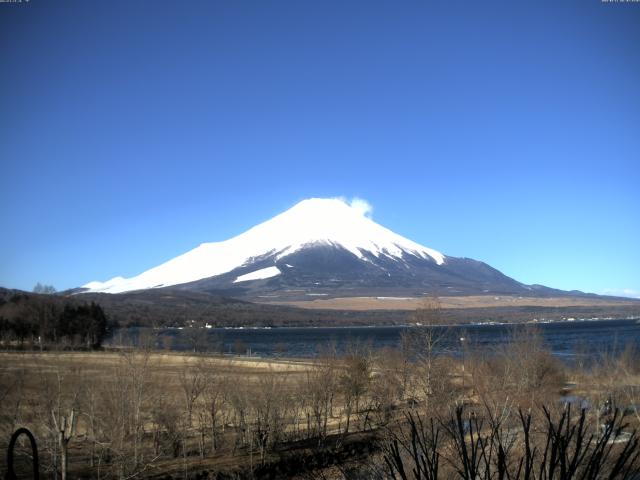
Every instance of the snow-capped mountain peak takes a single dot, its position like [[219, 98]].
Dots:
[[312, 222]]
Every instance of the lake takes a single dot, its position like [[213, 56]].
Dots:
[[565, 339]]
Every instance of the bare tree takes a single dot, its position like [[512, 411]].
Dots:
[[192, 384], [321, 384], [354, 379], [44, 289], [268, 403], [471, 446], [167, 434], [125, 396], [56, 413], [90, 410], [12, 396], [389, 381], [238, 399], [65, 430], [423, 344], [629, 366], [215, 395], [196, 335]]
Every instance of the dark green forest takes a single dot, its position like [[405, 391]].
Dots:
[[33, 320]]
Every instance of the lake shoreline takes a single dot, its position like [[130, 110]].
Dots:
[[564, 338]]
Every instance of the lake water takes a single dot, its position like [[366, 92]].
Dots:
[[565, 339]]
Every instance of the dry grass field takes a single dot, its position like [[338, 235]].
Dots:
[[146, 414], [162, 414], [476, 301]]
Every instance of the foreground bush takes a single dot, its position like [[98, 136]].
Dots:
[[469, 446]]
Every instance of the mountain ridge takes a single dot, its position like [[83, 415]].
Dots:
[[321, 248], [312, 222]]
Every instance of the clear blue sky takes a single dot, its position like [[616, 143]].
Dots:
[[132, 131]]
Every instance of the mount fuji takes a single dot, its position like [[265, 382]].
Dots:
[[320, 248]]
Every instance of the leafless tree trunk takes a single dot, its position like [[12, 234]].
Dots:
[[354, 380], [192, 383], [422, 344], [65, 430], [321, 383], [215, 393]]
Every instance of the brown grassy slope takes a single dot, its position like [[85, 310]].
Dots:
[[474, 301]]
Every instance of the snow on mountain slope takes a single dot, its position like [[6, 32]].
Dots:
[[261, 274], [315, 221]]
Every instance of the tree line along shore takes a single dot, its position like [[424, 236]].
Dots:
[[47, 321]]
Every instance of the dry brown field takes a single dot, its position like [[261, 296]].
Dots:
[[149, 414], [475, 301]]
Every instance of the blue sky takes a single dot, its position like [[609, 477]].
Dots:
[[508, 132]]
